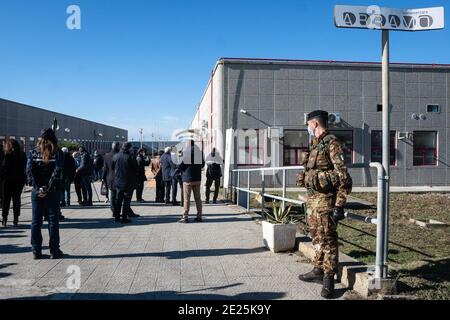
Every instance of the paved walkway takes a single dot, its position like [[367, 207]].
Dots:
[[154, 257]]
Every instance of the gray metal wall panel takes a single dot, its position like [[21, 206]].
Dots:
[[279, 95]]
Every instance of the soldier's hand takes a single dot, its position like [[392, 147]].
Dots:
[[300, 179], [338, 214]]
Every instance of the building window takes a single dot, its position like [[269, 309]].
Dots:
[[433, 108], [295, 141], [251, 147], [376, 146], [425, 148], [345, 137]]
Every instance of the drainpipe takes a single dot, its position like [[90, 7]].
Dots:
[[380, 266]]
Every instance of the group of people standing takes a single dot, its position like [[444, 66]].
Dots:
[[51, 170], [183, 168], [123, 172]]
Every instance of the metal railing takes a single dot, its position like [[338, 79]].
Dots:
[[380, 221]]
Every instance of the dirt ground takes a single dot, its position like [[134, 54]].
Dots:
[[419, 258]]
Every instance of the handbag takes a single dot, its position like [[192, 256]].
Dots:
[[103, 189]]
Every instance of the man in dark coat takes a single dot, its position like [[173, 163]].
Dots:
[[125, 181], [167, 166], [86, 169], [213, 174], [98, 165], [68, 176], [177, 180], [142, 162], [108, 174]]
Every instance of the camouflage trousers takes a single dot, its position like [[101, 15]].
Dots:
[[323, 232]]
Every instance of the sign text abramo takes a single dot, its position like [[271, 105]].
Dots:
[[374, 17]]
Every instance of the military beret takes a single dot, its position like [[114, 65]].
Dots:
[[317, 114]]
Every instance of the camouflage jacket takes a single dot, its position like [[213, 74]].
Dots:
[[325, 170]]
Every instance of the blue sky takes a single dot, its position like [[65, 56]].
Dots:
[[144, 63]]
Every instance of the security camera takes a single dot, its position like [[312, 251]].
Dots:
[[334, 118], [243, 111]]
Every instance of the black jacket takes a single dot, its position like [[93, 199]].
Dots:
[[69, 167], [125, 171], [108, 172], [86, 165], [191, 171], [142, 162], [48, 175], [98, 162], [167, 166], [13, 167], [213, 171]]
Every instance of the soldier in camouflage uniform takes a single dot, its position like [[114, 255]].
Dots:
[[328, 184]]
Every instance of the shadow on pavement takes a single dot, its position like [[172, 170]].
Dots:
[[12, 236], [109, 223], [9, 248], [159, 295], [175, 254]]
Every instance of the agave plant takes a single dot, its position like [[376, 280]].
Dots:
[[279, 214]]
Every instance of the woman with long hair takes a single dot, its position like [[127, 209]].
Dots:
[[13, 179], [45, 174]]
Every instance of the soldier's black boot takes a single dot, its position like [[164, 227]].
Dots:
[[316, 275], [328, 286]]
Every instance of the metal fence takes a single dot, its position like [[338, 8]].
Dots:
[[380, 221]]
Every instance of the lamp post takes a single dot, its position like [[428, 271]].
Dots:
[[141, 131]]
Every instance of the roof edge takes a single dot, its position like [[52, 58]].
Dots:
[[328, 62]]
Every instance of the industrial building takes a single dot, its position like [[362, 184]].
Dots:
[[267, 96], [24, 123]]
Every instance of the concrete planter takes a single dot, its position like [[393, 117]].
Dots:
[[279, 237]]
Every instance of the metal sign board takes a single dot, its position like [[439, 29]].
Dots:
[[379, 18]]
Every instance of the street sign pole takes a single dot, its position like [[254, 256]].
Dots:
[[385, 19], [386, 148]]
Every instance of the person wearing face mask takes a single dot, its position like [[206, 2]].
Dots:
[[328, 184]]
